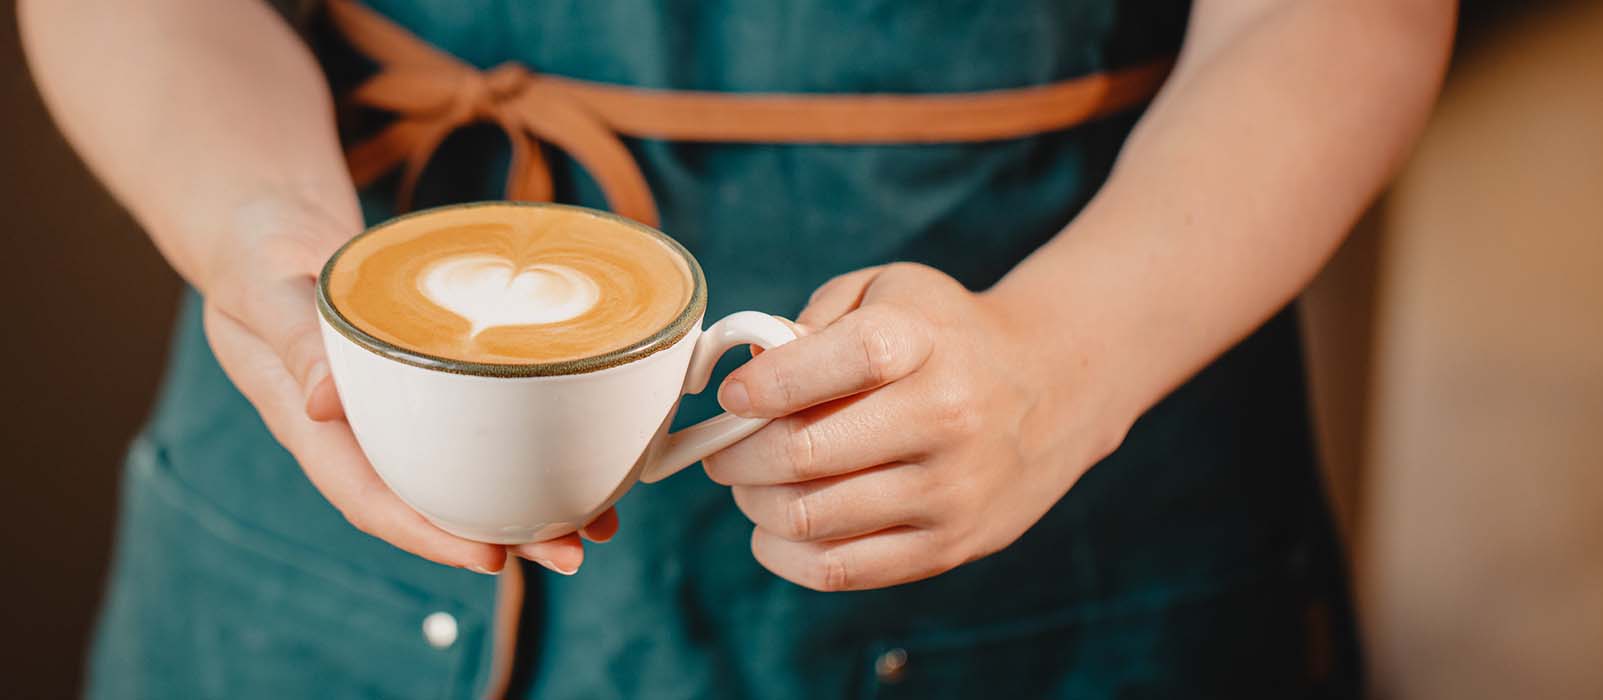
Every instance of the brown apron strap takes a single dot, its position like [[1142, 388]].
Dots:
[[685, 115], [433, 93]]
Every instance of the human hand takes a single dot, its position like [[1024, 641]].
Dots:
[[918, 427], [259, 286]]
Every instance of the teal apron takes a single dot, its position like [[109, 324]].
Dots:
[[1196, 561]]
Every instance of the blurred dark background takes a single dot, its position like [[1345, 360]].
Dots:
[[90, 303]]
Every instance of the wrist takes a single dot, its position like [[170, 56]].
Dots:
[[1078, 413]]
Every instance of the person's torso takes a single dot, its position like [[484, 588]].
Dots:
[[1187, 549]]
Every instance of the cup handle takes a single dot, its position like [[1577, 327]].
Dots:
[[688, 446]]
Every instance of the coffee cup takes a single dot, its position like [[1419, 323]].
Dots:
[[491, 430]]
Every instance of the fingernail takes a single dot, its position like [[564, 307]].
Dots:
[[528, 552], [547, 564], [733, 397], [597, 540], [480, 570]]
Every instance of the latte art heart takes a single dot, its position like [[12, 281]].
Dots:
[[488, 291]]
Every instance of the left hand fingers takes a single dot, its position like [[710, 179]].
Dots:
[[884, 558], [867, 348], [564, 554], [839, 507]]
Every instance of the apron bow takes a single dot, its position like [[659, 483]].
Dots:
[[433, 94]]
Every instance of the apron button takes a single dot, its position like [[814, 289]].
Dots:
[[439, 629], [890, 666]]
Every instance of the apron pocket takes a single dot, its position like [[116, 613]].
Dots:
[[201, 605]]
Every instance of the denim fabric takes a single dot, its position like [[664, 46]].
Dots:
[[1197, 561]]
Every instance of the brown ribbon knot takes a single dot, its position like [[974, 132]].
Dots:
[[435, 94]]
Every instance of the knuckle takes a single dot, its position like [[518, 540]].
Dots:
[[879, 355], [798, 519], [775, 391], [884, 347], [829, 573], [801, 449], [953, 414]]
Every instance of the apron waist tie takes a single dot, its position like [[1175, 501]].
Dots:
[[433, 93]]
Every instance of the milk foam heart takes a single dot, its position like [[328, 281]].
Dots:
[[488, 291]]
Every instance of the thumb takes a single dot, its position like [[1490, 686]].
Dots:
[[283, 314], [268, 285]]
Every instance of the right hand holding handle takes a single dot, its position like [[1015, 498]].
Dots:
[[687, 446]]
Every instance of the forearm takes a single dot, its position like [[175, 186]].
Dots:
[[198, 115], [1276, 129]]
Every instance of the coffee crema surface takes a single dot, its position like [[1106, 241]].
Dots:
[[509, 284]]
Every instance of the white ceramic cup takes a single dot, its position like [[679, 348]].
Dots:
[[521, 453]]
